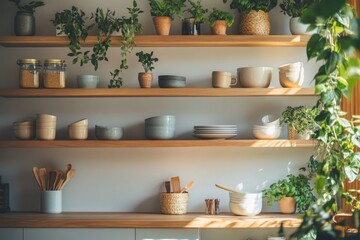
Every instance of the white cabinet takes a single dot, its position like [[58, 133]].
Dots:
[[11, 234], [78, 234], [166, 234]]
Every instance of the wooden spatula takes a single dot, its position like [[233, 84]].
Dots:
[[36, 174], [175, 184]]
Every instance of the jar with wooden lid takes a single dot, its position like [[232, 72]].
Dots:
[[29, 73], [54, 73]]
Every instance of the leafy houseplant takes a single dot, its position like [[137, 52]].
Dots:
[[300, 119], [297, 187], [147, 61], [219, 20], [254, 17], [295, 8], [163, 12], [191, 25], [24, 24]]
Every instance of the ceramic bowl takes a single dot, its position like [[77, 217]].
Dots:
[[159, 133], [45, 118], [24, 132], [108, 133], [270, 119], [243, 195], [82, 122], [45, 133], [161, 121], [88, 81], [171, 81], [24, 123], [291, 79], [254, 77], [78, 132], [266, 132], [246, 208], [289, 66]]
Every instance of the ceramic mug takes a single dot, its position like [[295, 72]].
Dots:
[[222, 79]]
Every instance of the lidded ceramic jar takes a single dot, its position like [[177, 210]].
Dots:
[[29, 73], [54, 73]]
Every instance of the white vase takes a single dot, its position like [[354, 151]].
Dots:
[[298, 28]]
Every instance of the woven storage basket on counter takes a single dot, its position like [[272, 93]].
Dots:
[[174, 203]]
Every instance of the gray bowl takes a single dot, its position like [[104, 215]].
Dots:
[[161, 121], [171, 81], [108, 133], [88, 81], [159, 133], [254, 77]]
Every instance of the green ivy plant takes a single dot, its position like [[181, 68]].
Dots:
[[294, 8], [248, 5], [169, 8], [197, 11], [130, 27], [147, 60], [336, 158], [29, 8], [301, 119], [297, 187], [220, 15]]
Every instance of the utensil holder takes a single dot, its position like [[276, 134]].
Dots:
[[51, 202], [174, 203]]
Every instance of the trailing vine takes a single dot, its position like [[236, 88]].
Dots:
[[336, 159]]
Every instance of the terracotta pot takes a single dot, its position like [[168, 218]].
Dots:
[[254, 23], [145, 79], [162, 25], [287, 205], [219, 27]]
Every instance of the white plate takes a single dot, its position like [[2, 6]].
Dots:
[[214, 136], [216, 126], [216, 132]]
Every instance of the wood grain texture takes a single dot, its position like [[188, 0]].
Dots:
[[145, 220], [158, 92], [155, 143], [167, 41]]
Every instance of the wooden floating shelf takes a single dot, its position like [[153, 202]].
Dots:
[[167, 41], [155, 143], [158, 92], [145, 220]]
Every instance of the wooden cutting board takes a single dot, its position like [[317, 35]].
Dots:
[[175, 184]]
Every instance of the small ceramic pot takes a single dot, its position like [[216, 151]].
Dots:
[[88, 81], [287, 205], [219, 27], [24, 24], [298, 28], [145, 79], [162, 25], [190, 27]]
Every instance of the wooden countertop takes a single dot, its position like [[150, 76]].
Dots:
[[145, 220]]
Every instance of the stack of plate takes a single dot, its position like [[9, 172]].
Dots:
[[215, 131]]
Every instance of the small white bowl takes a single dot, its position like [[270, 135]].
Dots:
[[266, 132], [270, 119], [290, 66]]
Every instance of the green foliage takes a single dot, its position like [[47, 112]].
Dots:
[[294, 8], [248, 5], [337, 160], [169, 8], [147, 60], [30, 7], [297, 187], [301, 119], [220, 15], [197, 11]]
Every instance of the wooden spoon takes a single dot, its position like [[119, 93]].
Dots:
[[69, 175], [36, 174], [226, 188], [175, 184], [59, 175], [42, 177], [187, 186]]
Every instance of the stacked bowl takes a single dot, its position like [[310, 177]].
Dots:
[[78, 130], [45, 127], [247, 204], [171, 81], [270, 128], [24, 130], [291, 75], [160, 127]]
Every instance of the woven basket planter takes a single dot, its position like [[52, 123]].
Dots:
[[254, 23], [174, 203], [292, 134]]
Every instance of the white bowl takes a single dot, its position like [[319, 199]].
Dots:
[[270, 119], [82, 122], [290, 66], [291, 79], [245, 208], [254, 77], [266, 132]]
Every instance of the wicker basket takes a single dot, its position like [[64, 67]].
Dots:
[[254, 23], [292, 133], [174, 203]]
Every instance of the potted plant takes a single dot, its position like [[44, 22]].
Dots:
[[147, 61], [292, 193], [219, 21], [294, 9], [300, 120], [254, 15], [163, 12], [24, 24], [191, 25]]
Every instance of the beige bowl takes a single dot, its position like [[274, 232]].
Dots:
[[291, 79], [24, 123], [78, 133], [24, 132], [45, 133], [254, 77], [289, 66], [82, 122], [41, 117], [266, 132]]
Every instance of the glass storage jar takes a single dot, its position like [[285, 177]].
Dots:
[[29, 73], [54, 73]]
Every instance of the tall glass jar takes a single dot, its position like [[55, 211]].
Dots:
[[29, 73], [54, 73]]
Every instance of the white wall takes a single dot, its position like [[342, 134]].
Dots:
[[131, 179]]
